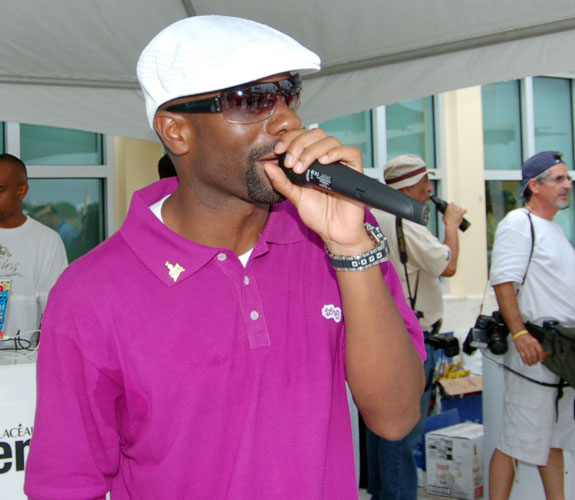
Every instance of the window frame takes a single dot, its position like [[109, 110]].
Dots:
[[527, 121], [104, 172]]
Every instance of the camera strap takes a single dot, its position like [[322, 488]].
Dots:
[[403, 258], [532, 245], [559, 385]]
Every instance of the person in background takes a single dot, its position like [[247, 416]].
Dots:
[[533, 275], [202, 351], [32, 257], [392, 472], [49, 216]]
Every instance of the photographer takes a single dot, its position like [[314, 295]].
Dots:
[[420, 262], [532, 273]]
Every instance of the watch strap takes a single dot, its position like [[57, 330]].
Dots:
[[365, 260]]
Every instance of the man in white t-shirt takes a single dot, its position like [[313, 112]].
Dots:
[[32, 256], [391, 464], [533, 275]]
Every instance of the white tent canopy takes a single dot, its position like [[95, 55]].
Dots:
[[71, 63]]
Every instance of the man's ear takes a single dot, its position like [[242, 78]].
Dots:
[[22, 191], [175, 131], [533, 185]]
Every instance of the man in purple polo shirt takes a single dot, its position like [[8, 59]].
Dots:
[[202, 351]]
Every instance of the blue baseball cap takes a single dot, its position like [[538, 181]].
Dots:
[[538, 163]]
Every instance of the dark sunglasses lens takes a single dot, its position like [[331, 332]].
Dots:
[[291, 92], [256, 103], [247, 105], [293, 98]]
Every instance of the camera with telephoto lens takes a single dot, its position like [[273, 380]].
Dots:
[[489, 332], [448, 343]]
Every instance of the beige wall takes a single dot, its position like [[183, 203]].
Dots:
[[465, 186], [136, 166]]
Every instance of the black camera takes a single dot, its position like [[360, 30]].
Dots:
[[489, 332], [448, 343]]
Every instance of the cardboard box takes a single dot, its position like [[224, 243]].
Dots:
[[432, 423], [454, 461], [462, 386], [465, 394]]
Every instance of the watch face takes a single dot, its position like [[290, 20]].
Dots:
[[375, 233]]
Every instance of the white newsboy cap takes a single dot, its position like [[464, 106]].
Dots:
[[404, 171], [203, 54]]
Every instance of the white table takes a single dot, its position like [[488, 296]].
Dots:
[[17, 406]]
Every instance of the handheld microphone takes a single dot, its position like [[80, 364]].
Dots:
[[338, 178], [442, 207]]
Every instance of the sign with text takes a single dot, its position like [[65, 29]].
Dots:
[[17, 406]]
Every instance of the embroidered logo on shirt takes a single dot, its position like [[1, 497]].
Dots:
[[329, 311], [175, 270]]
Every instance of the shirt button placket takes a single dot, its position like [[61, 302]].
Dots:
[[257, 329]]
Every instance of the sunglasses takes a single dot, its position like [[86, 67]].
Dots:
[[247, 103]]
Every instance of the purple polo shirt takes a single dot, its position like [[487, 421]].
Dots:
[[168, 370]]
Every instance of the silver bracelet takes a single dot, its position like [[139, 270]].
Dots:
[[365, 260]]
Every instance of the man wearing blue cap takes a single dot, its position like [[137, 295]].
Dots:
[[202, 351], [533, 275]]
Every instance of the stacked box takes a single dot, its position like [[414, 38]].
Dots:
[[454, 461], [463, 393]]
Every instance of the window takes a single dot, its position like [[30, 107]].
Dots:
[[500, 198], [410, 129], [71, 180], [552, 105], [57, 146], [72, 207], [501, 126], [353, 130], [521, 118], [502, 146]]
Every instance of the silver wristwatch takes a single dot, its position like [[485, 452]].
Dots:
[[373, 257]]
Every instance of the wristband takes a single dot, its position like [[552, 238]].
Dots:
[[365, 260], [518, 334]]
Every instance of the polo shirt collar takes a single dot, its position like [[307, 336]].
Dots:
[[173, 258]]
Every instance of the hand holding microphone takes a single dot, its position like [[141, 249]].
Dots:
[[442, 207], [338, 178]]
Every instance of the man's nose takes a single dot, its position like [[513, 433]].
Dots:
[[283, 119]]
